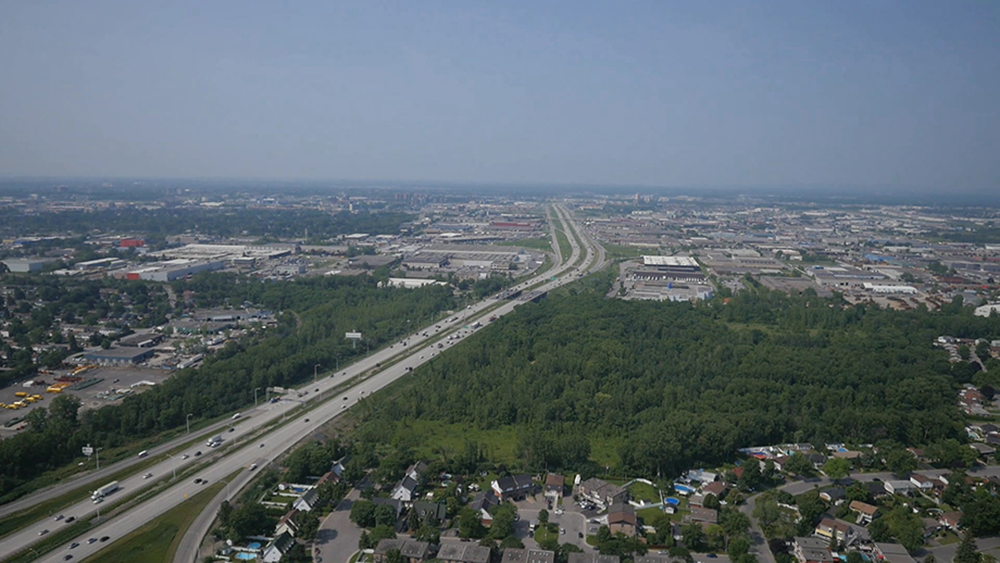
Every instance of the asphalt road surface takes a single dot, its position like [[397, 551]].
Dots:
[[267, 448]]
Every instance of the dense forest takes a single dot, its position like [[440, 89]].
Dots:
[[679, 384], [224, 222], [318, 311]]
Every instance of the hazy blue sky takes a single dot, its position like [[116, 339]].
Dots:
[[656, 93]]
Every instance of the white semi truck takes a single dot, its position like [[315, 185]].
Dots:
[[99, 494]]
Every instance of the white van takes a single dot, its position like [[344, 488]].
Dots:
[[143, 453], [237, 415]]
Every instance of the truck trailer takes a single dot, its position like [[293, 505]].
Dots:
[[104, 491]]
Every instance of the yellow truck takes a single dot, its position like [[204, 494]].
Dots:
[[20, 394]]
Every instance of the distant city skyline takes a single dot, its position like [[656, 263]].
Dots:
[[739, 95]]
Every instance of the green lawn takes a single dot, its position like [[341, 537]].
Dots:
[[643, 492], [542, 534], [648, 514], [614, 251], [157, 541], [432, 439]]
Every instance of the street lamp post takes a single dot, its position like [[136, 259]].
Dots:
[[173, 468], [188, 422], [98, 451], [255, 396], [315, 372]]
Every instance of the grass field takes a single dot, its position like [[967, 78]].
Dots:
[[542, 243], [644, 492], [432, 439], [157, 541], [614, 251]]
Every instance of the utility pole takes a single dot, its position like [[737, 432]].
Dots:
[[188, 421], [98, 451], [255, 396], [315, 372]]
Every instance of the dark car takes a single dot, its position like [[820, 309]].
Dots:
[[105, 538], [74, 545], [197, 453], [92, 540], [67, 557], [70, 520], [231, 429]]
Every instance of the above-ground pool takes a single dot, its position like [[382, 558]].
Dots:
[[671, 501], [683, 489], [244, 556]]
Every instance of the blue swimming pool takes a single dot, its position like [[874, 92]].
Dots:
[[244, 556], [254, 545], [672, 501], [683, 489]]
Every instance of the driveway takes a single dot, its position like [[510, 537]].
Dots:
[[337, 537]]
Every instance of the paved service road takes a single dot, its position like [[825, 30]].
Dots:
[[276, 442], [337, 538]]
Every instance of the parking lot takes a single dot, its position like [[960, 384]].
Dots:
[[113, 380]]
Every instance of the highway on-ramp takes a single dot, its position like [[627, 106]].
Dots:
[[243, 448]]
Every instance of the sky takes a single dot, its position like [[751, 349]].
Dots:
[[893, 95]]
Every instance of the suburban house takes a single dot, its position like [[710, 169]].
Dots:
[[841, 531], [601, 492], [482, 503], [287, 524], [405, 490], [416, 470], [714, 488], [412, 551], [922, 482], [892, 553], [461, 552], [554, 484], [950, 520], [984, 450], [651, 558], [514, 555], [812, 550], [833, 494], [707, 515], [308, 501], [515, 487], [898, 486], [426, 509], [866, 512], [278, 547], [621, 518], [592, 558]]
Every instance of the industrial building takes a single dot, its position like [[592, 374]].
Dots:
[[171, 270], [26, 265], [119, 356]]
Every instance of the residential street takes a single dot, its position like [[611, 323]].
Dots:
[[337, 538]]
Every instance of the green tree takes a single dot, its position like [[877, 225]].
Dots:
[[543, 516], [470, 525], [694, 537], [799, 464], [837, 468], [363, 514], [967, 552], [900, 462]]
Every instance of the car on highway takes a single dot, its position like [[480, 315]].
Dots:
[[58, 518], [253, 466], [74, 545], [70, 520], [262, 444], [306, 420], [231, 429], [67, 557], [91, 540], [345, 397], [147, 476], [343, 406], [185, 456], [197, 453], [105, 538], [197, 481], [43, 532]]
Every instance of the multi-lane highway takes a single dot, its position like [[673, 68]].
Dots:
[[332, 395]]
